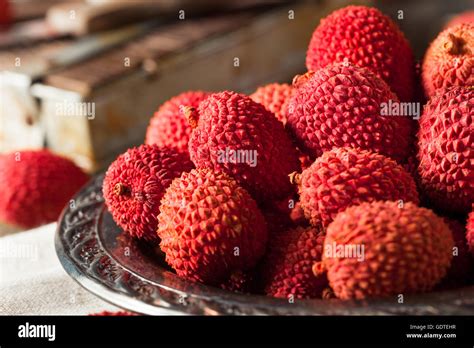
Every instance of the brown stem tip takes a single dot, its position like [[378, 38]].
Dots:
[[191, 115], [328, 294], [454, 45], [299, 80], [120, 189], [319, 269], [295, 178]]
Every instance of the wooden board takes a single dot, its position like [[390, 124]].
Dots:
[[110, 66]]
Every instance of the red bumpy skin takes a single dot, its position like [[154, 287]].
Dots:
[[344, 177], [274, 97], [367, 38], [36, 185], [406, 250], [340, 106], [470, 231], [446, 151], [135, 183], [230, 128], [210, 227], [449, 60], [287, 269], [463, 17], [462, 265], [168, 126]]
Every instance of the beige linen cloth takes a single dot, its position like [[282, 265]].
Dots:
[[33, 282]]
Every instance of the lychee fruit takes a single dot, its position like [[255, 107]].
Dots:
[[462, 265], [381, 248], [446, 152], [367, 38], [210, 227], [341, 106], [36, 185], [449, 60], [168, 127], [344, 177], [470, 231], [135, 183], [287, 267], [463, 17], [239, 137], [274, 97]]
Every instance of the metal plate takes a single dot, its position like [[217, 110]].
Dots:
[[100, 257]]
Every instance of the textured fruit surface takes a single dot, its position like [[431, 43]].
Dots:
[[470, 231], [36, 185], [449, 60], [446, 151], [135, 183], [344, 177], [462, 265], [210, 227], [287, 268], [367, 38], [340, 105], [405, 250], [168, 126], [463, 17], [274, 97], [239, 137]]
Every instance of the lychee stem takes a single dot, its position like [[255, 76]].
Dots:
[[191, 115], [454, 45], [318, 269], [121, 189], [295, 178], [298, 80], [328, 293]]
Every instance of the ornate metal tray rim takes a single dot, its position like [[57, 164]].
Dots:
[[83, 256]]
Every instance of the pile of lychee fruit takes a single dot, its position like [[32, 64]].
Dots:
[[309, 190]]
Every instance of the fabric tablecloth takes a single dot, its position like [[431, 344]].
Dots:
[[33, 282]]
